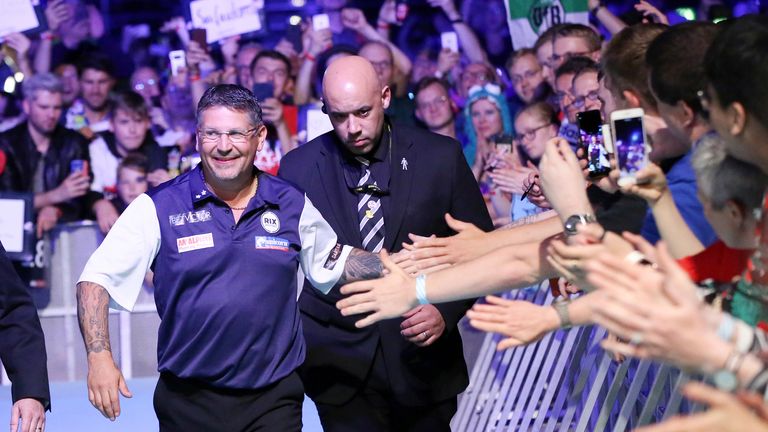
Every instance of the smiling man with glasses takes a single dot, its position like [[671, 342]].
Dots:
[[225, 241]]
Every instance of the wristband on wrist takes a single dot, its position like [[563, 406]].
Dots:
[[310, 57], [457, 20], [195, 77], [725, 329], [421, 289], [382, 25]]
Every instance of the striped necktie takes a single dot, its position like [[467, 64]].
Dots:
[[369, 212]]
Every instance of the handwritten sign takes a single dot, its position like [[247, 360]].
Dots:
[[17, 16], [224, 18]]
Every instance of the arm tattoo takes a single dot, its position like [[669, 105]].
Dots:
[[361, 265], [93, 315]]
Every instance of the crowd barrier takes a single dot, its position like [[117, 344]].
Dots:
[[565, 382], [133, 335]]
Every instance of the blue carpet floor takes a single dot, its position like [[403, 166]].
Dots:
[[73, 412]]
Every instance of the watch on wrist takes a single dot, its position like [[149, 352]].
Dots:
[[572, 223], [561, 307]]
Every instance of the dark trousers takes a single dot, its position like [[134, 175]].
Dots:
[[374, 409], [185, 405]]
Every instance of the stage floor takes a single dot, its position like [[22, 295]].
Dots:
[[73, 412]]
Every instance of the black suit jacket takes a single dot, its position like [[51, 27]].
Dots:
[[437, 181], [22, 344]]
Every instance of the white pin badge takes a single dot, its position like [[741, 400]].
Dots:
[[404, 164]]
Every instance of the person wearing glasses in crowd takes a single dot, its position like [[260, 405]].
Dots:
[[527, 76], [228, 339], [435, 108], [535, 124]]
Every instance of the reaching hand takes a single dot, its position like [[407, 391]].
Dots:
[[658, 312], [651, 13], [20, 43], [510, 180], [388, 12], [387, 297], [522, 322], [561, 179], [317, 40], [423, 325], [447, 60], [448, 6], [726, 413], [57, 12], [104, 382], [354, 19], [30, 414], [470, 242]]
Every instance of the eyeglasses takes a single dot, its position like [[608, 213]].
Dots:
[[561, 96], [580, 101], [436, 103], [477, 76], [234, 136], [384, 64], [141, 85], [705, 103], [526, 75], [264, 72], [531, 134], [562, 58]]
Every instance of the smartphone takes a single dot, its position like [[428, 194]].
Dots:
[[293, 35], [629, 143], [178, 61], [78, 165], [450, 41], [320, 22], [504, 143], [263, 91], [200, 35], [592, 142]]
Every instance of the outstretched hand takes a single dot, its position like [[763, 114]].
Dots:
[[522, 322], [388, 297]]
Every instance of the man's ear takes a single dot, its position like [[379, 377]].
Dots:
[[25, 106], [386, 97], [261, 137], [685, 113], [633, 101], [737, 118]]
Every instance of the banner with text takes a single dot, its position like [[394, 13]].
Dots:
[[224, 18], [530, 18]]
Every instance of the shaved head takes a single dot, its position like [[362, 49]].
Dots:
[[355, 101]]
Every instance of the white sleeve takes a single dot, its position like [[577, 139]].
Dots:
[[320, 259], [124, 257]]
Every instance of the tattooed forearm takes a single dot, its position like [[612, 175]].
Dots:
[[361, 265], [93, 315]]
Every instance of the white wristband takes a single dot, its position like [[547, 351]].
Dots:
[[421, 289]]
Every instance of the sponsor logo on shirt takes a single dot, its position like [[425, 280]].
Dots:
[[274, 243], [195, 242], [270, 222], [190, 217]]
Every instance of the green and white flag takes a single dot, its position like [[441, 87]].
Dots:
[[529, 18]]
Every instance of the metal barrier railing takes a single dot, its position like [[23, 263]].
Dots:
[[134, 335], [565, 382]]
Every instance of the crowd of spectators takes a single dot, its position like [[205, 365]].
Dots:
[[86, 142]]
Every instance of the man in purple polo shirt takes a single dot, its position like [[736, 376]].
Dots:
[[225, 242]]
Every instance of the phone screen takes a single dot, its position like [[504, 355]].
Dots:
[[263, 91], [591, 140], [630, 145], [293, 35], [200, 35]]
